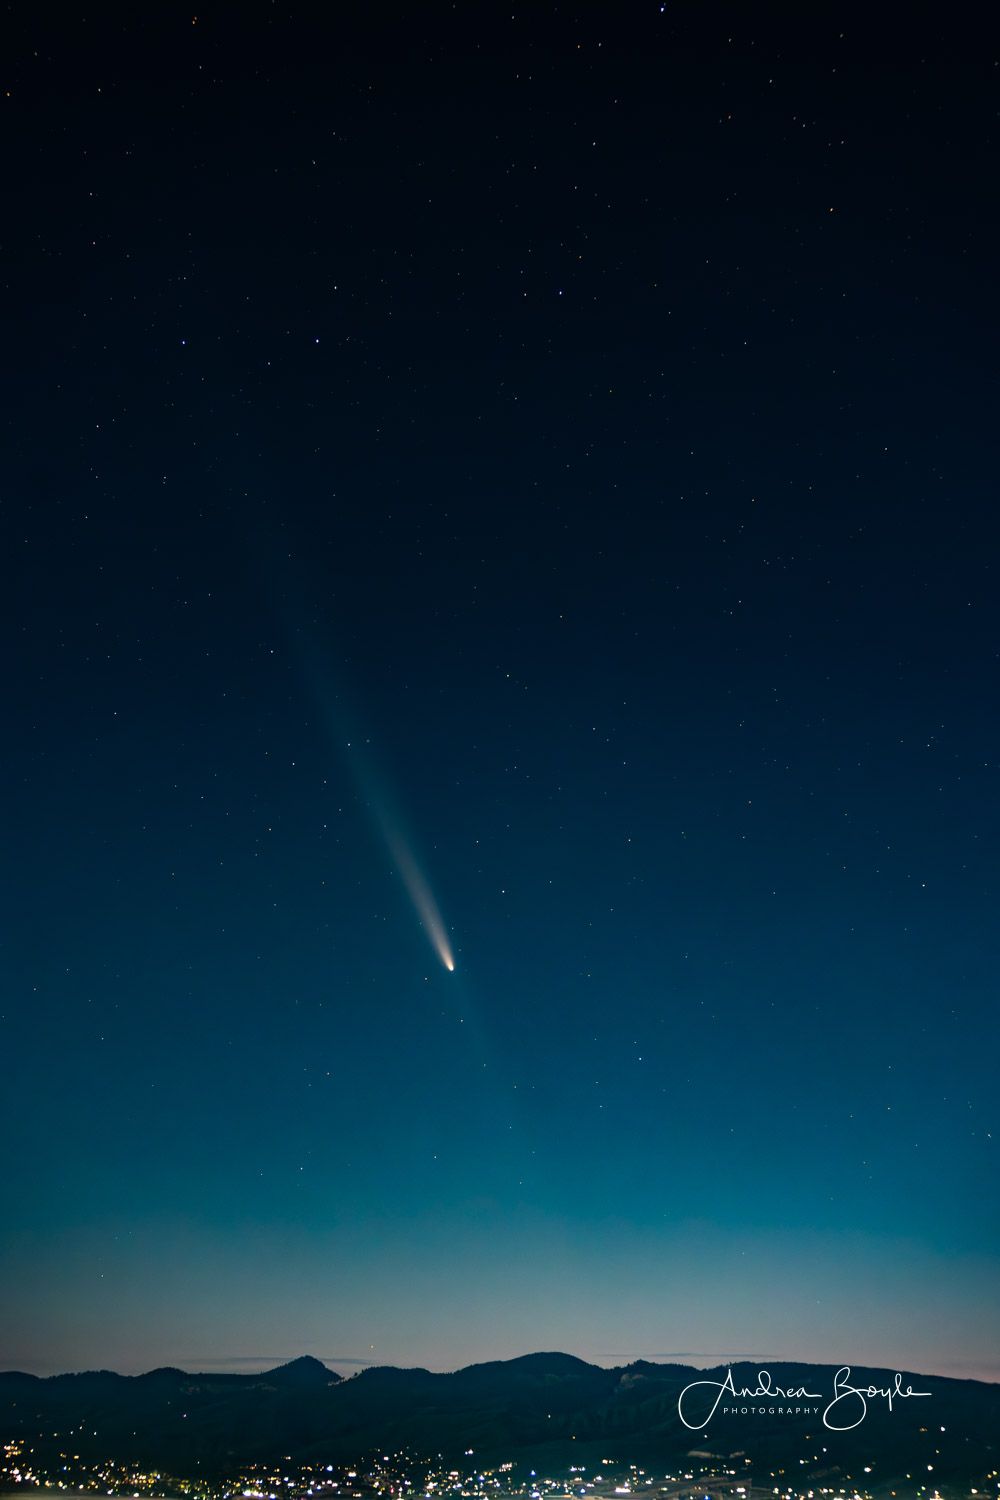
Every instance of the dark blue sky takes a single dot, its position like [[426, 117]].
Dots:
[[566, 440]]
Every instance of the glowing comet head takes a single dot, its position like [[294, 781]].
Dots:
[[434, 928], [438, 937]]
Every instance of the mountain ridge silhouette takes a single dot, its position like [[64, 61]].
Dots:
[[545, 1410]]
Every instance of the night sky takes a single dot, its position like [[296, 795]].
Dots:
[[517, 488]]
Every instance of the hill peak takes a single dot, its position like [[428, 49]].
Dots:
[[306, 1370]]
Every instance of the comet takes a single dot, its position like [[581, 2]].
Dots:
[[390, 826], [417, 887], [344, 732]]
